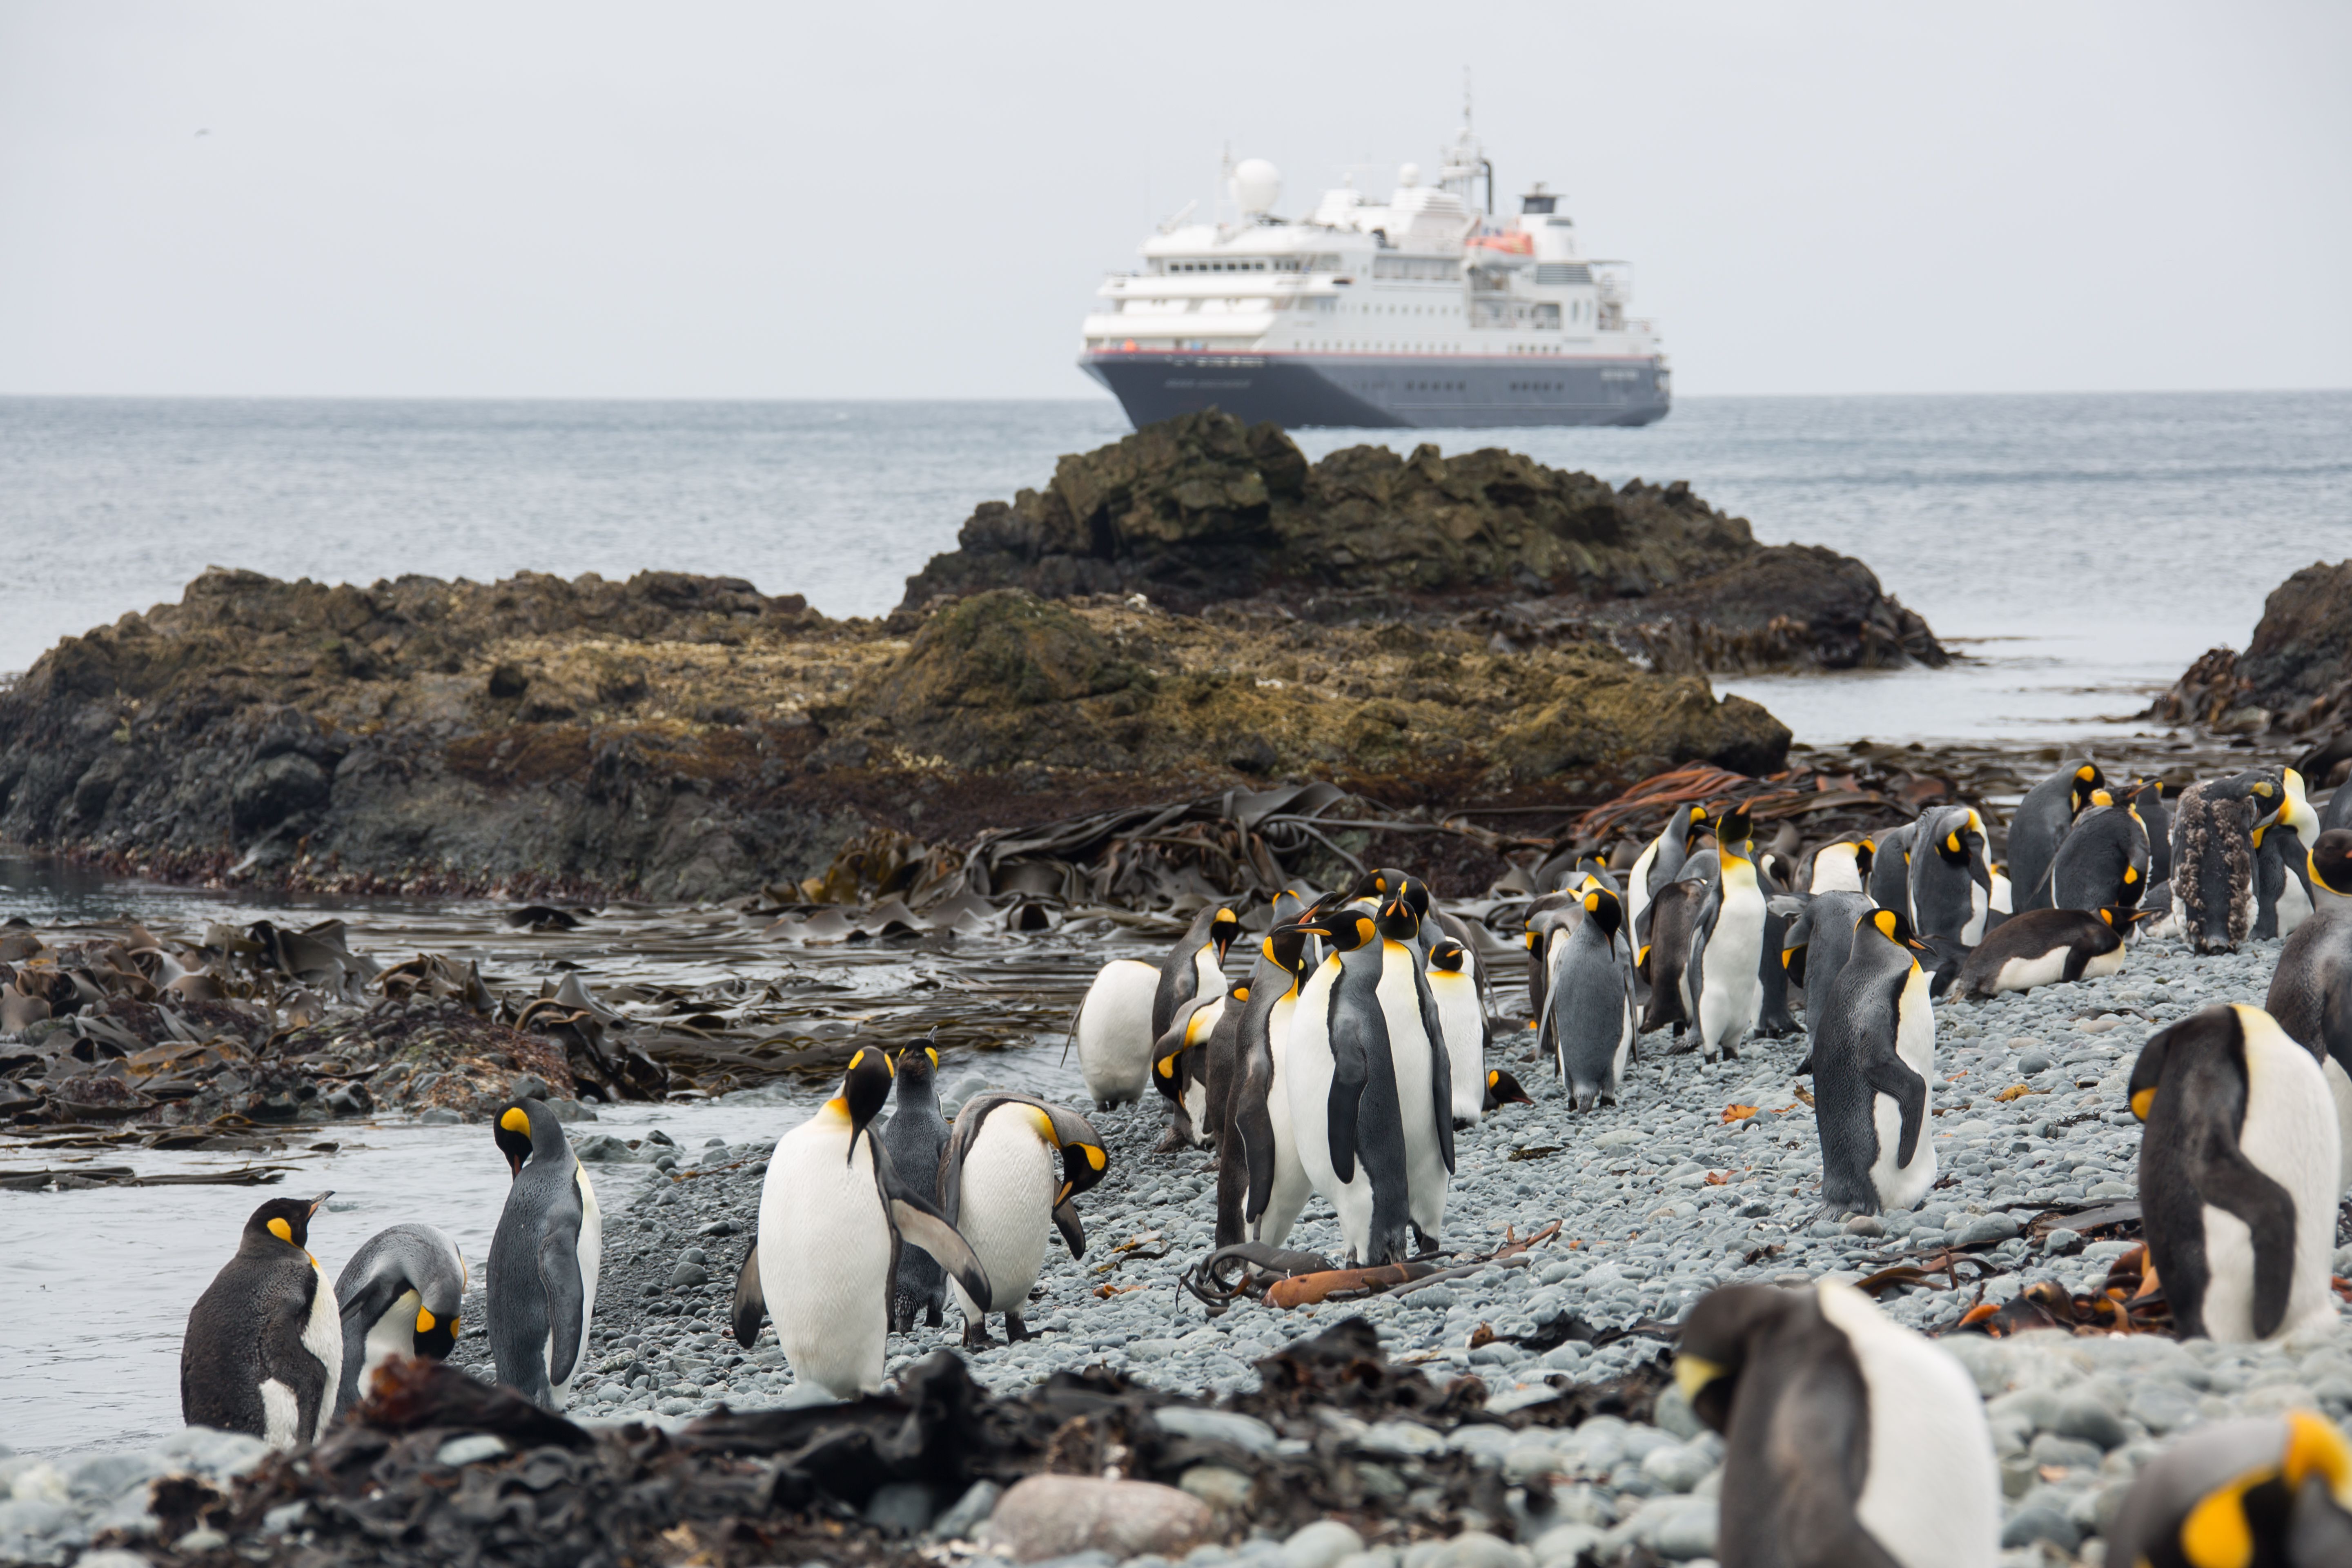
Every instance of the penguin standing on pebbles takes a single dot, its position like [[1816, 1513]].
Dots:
[[2263, 1491], [2041, 819], [2284, 896], [833, 1214], [398, 1295], [2214, 851], [1591, 1003], [1370, 1088], [1185, 1012], [917, 1138], [2311, 997], [264, 1349], [1848, 1439], [1727, 946], [1132, 1004], [1261, 1186], [2155, 817], [1464, 1024], [1874, 1061], [544, 1258], [2239, 1164], [998, 1188]]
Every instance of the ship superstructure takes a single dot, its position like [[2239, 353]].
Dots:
[[1423, 310]]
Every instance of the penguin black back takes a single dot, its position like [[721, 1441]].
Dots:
[[263, 1351], [2155, 817], [917, 1138], [2041, 820], [542, 1278], [2103, 862], [2042, 947]]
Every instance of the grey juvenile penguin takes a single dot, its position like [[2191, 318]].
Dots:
[[399, 1296]]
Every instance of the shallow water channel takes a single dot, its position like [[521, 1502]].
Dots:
[[99, 1280]]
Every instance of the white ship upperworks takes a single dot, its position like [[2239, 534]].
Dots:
[[1424, 311]]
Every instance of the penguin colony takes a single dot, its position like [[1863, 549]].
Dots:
[[1339, 1068]]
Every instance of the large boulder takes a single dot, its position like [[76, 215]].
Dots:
[[1201, 510], [2294, 676]]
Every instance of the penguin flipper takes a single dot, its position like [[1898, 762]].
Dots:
[[559, 1276], [2225, 1178], [918, 1222], [1255, 1123], [1441, 1065], [751, 1300], [1891, 1076], [1072, 1229], [1351, 1070]]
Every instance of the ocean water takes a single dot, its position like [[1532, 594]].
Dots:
[[2081, 549]]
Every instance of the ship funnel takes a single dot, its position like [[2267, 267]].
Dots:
[[1258, 185]]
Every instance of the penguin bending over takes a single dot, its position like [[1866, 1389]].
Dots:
[[833, 1214], [1370, 1088], [1727, 946], [2284, 896], [2239, 1166], [2311, 997], [1842, 867], [2270, 1491], [1890, 869], [544, 1258], [1849, 1439], [1591, 998], [1181, 1068], [264, 1348], [916, 1137], [1464, 1024], [1660, 862], [2041, 819], [2103, 862], [1131, 1005], [397, 1296], [2042, 947], [1951, 885], [1874, 1064], [1503, 1090], [998, 1188]]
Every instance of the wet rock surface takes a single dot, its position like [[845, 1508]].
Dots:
[[2294, 676], [1203, 510]]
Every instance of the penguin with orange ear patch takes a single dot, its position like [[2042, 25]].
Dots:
[[2262, 1490], [263, 1349], [544, 1258]]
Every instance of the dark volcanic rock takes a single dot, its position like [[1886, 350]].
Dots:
[[2296, 674], [1201, 510]]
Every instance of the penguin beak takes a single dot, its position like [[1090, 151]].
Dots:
[[320, 1202]]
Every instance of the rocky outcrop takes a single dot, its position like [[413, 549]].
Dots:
[[677, 737], [2296, 676], [1201, 510]]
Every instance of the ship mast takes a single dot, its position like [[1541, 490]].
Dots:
[[1465, 162]]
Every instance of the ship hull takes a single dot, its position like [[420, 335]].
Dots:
[[1384, 392]]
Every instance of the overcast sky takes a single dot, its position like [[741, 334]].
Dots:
[[768, 200]]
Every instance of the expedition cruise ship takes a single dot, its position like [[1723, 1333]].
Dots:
[[1427, 310]]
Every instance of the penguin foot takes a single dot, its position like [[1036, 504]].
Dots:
[[1015, 1331], [976, 1336], [931, 1316]]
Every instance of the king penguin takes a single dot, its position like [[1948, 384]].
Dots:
[[1260, 1184], [1463, 1025], [1131, 1005], [2283, 893], [2042, 947], [2103, 862], [2329, 862], [1812, 951], [2213, 858], [1590, 999], [2041, 819], [1371, 1089], [1842, 867], [2239, 1167], [1727, 946], [998, 1188], [398, 1295], [2311, 997], [916, 1135], [1950, 886], [1848, 1438], [1874, 1062], [1658, 864], [2155, 817], [2268, 1492], [544, 1258], [263, 1349], [833, 1215]]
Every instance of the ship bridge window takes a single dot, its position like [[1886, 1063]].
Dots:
[[1563, 272]]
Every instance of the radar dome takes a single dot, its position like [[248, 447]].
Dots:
[[1409, 177], [1258, 185]]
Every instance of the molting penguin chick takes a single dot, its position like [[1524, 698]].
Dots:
[[833, 1214], [917, 1138], [2311, 997], [1727, 946], [1592, 1003], [399, 1296], [2213, 859], [2269, 1491], [544, 1258], [264, 1348], [1874, 1061], [1848, 1438], [2041, 819], [2042, 947], [998, 1188], [2239, 1166]]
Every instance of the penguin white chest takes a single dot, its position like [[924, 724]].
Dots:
[[393, 1334], [1003, 1210], [1290, 1183], [1900, 1186], [1412, 1056], [2294, 904], [2025, 973], [1114, 1030], [589, 1255], [1459, 1017], [824, 1257], [323, 1337], [1930, 1495], [2290, 1135], [1732, 993], [1980, 907], [2339, 1090]]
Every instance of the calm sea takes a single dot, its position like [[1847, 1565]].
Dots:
[[2083, 549]]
